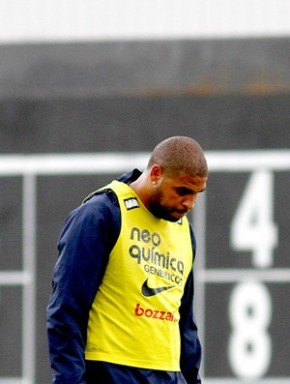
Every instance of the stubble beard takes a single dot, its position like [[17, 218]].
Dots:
[[159, 209]]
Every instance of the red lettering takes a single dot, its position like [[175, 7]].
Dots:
[[162, 313], [154, 313], [139, 310], [148, 312], [155, 316]]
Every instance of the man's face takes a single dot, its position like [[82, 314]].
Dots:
[[172, 198]]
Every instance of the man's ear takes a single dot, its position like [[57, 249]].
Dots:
[[156, 173]]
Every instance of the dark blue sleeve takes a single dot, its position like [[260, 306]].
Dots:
[[85, 243], [190, 345]]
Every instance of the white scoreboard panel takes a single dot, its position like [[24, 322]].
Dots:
[[243, 268]]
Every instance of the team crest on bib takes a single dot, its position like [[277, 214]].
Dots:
[[131, 203]]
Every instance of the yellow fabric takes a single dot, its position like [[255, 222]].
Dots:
[[125, 326]]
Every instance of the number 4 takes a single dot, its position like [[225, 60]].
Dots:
[[252, 227]]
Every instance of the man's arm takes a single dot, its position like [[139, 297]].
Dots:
[[190, 345], [85, 243]]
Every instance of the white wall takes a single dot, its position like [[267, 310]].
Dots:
[[92, 20]]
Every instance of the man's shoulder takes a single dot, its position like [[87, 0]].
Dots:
[[99, 206]]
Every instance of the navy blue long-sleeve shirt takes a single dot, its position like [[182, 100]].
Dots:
[[85, 243]]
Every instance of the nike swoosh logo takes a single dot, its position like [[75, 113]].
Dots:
[[148, 292]]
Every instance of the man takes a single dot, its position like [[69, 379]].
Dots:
[[121, 308]]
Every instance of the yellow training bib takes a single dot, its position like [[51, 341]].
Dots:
[[135, 314]]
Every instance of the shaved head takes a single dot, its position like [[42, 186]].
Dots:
[[179, 154]]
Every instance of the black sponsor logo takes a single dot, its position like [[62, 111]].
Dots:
[[148, 291]]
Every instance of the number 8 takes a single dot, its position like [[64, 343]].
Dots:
[[250, 344]]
